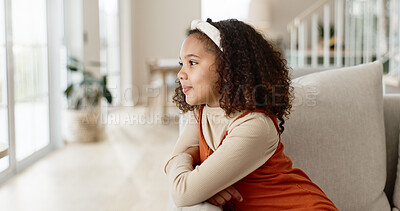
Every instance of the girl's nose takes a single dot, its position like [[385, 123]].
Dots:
[[182, 75]]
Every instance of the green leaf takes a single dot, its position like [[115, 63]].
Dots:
[[107, 95], [69, 90], [104, 80], [78, 104], [72, 68]]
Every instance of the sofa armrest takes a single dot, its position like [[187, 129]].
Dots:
[[391, 106]]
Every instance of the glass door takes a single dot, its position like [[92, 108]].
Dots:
[[26, 55], [30, 73], [4, 162]]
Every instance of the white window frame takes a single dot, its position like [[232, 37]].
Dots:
[[54, 43]]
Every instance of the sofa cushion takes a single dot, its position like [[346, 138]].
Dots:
[[391, 107], [336, 134]]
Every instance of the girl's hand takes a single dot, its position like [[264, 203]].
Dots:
[[224, 196], [194, 152]]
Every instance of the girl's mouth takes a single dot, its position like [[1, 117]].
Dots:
[[185, 89]]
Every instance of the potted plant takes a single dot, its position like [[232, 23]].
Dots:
[[84, 96]]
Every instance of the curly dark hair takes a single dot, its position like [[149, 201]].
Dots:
[[252, 72]]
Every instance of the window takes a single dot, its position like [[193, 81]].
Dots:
[[110, 46], [4, 162], [29, 32], [25, 97]]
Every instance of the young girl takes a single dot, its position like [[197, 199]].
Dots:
[[236, 88]]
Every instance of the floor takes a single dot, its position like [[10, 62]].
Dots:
[[122, 172]]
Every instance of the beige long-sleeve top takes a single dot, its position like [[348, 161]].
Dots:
[[250, 142]]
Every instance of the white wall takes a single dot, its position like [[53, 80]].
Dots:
[[74, 28], [126, 52], [55, 36], [82, 32], [91, 43], [159, 27]]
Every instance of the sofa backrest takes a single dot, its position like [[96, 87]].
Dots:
[[391, 107], [336, 134], [392, 128]]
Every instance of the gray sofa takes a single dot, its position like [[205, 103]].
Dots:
[[344, 133]]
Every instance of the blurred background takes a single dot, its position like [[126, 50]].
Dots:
[[86, 114]]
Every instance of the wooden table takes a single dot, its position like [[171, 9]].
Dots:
[[3, 149], [165, 67]]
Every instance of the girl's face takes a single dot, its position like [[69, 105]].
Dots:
[[198, 74]]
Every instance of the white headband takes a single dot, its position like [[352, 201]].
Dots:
[[209, 30]]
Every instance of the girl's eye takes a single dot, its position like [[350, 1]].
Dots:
[[192, 63], [180, 64]]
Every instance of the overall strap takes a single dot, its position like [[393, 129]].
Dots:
[[260, 110], [204, 149], [200, 112], [275, 120]]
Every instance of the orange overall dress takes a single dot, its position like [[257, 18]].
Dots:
[[275, 185]]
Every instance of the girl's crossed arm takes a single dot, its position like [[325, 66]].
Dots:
[[249, 144]]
